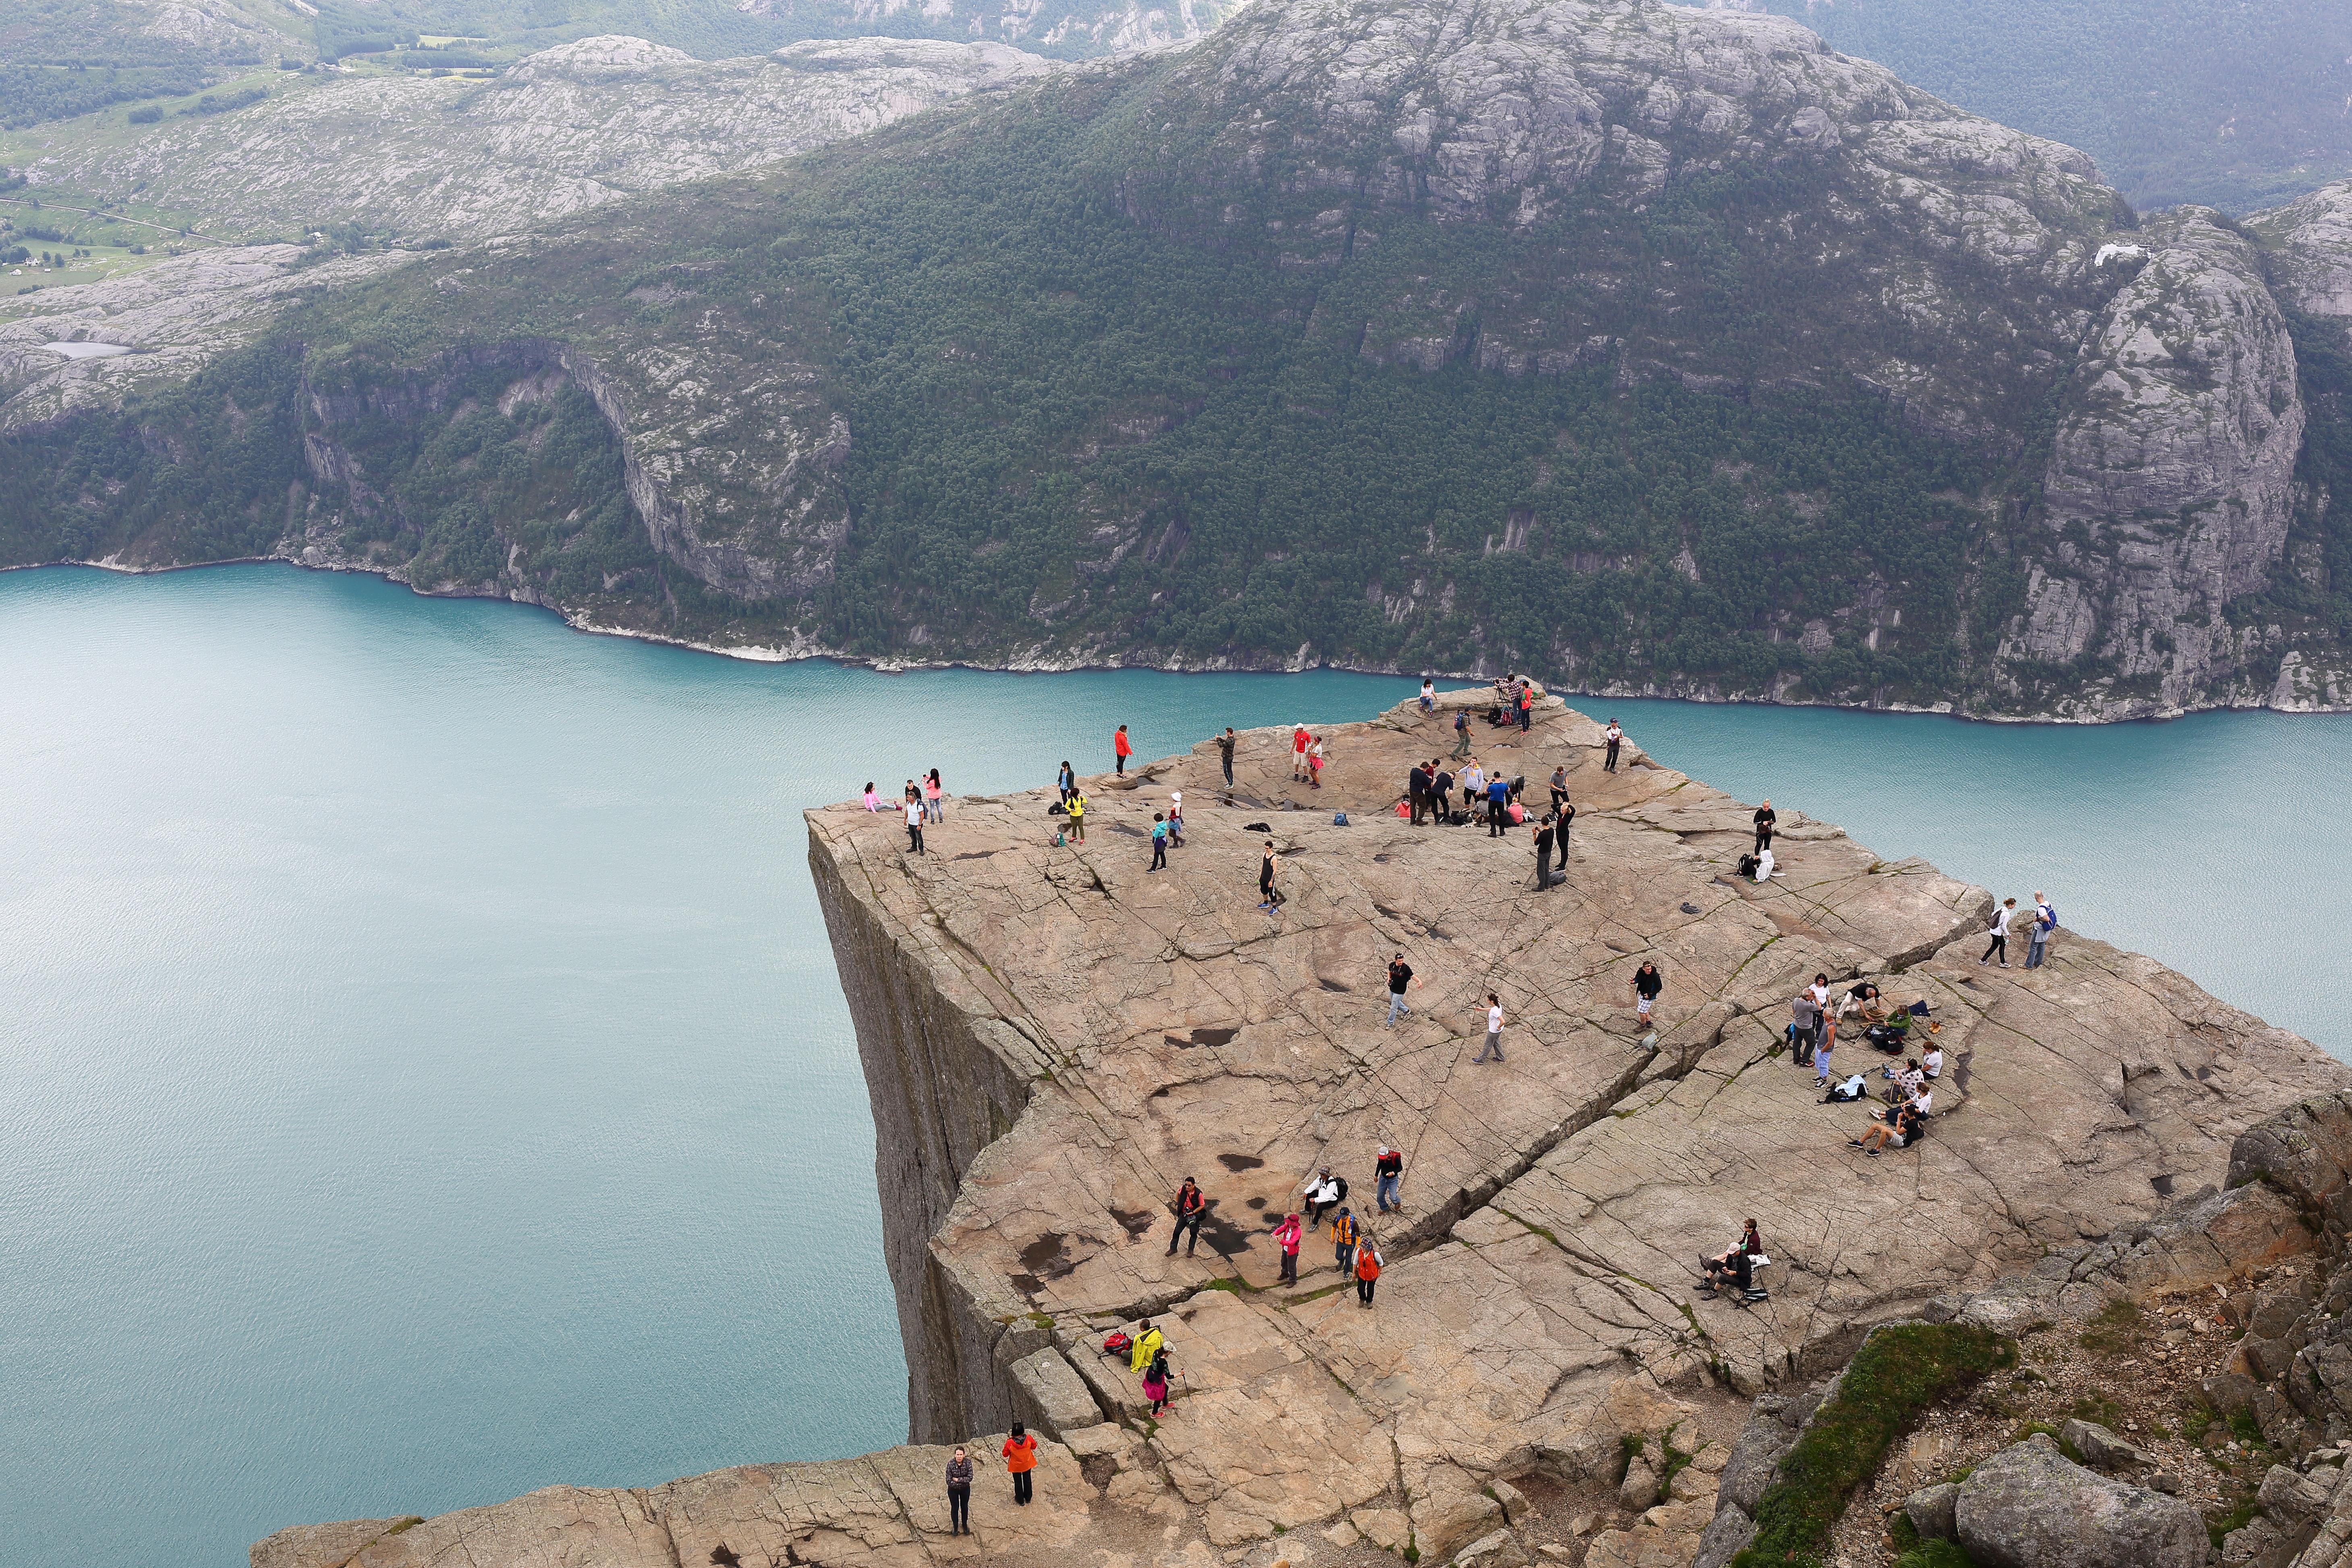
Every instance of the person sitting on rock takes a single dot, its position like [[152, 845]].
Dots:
[[1323, 1192], [1931, 1065], [1903, 1082], [1148, 1341], [1734, 1259], [1898, 1132]]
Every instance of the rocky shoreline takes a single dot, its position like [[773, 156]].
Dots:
[[2286, 696], [1053, 1037]]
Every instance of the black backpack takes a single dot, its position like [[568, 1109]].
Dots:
[[1341, 1182]]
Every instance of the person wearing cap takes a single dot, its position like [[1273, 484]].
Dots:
[[1322, 1190], [1388, 1171]]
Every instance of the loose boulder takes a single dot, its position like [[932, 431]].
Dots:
[[2102, 1449], [1499, 1550], [2032, 1507], [1929, 1510]]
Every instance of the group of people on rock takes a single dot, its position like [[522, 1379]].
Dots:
[[923, 802]]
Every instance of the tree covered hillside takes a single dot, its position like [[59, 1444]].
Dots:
[[2217, 101], [1680, 355]]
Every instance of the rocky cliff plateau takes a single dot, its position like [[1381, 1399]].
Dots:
[[1054, 1037], [1661, 350]]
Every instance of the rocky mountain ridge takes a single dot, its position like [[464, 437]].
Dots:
[[1761, 375], [1053, 1037]]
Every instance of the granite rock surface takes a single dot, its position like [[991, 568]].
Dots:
[[1055, 1036]]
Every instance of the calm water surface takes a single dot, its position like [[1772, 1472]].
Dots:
[[423, 1076]]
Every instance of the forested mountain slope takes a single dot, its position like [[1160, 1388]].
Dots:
[[2219, 101], [1647, 348]]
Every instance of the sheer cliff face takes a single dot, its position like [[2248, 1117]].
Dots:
[[2312, 249], [2169, 491]]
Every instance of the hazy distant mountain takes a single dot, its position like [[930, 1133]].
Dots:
[[2233, 104]]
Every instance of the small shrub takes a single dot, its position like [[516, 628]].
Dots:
[[1898, 1373], [1936, 1555], [2114, 1331], [2222, 1521], [146, 116]]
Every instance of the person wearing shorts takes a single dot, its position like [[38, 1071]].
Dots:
[[1647, 984]]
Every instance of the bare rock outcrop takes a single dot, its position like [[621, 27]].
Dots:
[[2170, 487], [1055, 1036], [567, 130]]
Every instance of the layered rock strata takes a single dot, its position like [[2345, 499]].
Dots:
[[1054, 1037]]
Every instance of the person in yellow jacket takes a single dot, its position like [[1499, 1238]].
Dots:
[[1147, 1342], [1343, 1238], [1077, 812]]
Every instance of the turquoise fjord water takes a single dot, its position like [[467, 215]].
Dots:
[[424, 1079]]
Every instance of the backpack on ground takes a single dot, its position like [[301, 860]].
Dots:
[[1117, 1343], [1339, 819]]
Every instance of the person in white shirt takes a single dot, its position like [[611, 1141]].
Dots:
[[1615, 737], [1428, 694], [913, 826], [1493, 1030], [1999, 931], [1932, 1063], [1764, 866], [1472, 780], [1323, 1192]]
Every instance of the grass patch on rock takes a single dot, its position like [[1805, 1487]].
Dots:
[[1897, 1374], [1935, 1554]]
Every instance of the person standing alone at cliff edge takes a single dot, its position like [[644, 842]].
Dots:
[[1226, 753], [1615, 738], [1121, 748], [1767, 819]]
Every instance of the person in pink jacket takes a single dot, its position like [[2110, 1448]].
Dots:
[[1287, 1236]]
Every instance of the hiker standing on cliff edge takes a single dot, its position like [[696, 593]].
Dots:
[[1122, 749], [960, 1494], [1021, 1458]]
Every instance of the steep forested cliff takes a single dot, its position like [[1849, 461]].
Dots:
[[1647, 348]]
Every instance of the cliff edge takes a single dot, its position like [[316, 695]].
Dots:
[[1054, 1037]]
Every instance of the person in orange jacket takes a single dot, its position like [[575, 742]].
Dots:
[[1122, 749], [1021, 1458], [1368, 1271]]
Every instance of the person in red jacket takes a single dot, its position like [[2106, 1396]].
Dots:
[[1121, 750], [1287, 1236], [1368, 1271], [1021, 1458]]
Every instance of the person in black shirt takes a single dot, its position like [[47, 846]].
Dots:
[[1191, 1208], [1268, 896], [1766, 818], [1441, 793], [1388, 1171], [1225, 753], [1400, 976], [1544, 839], [1647, 984], [1416, 789]]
